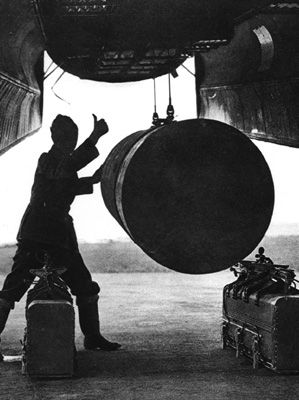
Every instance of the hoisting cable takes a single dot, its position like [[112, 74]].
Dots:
[[170, 109], [187, 69], [50, 73], [52, 88], [155, 96], [48, 69], [156, 121], [169, 89], [46, 74]]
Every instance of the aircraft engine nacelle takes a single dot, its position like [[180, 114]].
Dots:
[[196, 195], [253, 82]]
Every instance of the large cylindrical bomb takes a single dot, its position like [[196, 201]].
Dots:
[[196, 195]]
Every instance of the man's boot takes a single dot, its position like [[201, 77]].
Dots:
[[5, 307], [90, 325]]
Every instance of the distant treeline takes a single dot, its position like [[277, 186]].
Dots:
[[282, 250], [117, 256], [111, 256]]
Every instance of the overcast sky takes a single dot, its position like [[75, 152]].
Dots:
[[127, 108]]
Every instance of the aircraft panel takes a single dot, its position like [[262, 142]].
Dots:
[[21, 72]]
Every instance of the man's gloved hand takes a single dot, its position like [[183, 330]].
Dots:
[[97, 176], [100, 128]]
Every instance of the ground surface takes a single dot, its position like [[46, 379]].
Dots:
[[169, 326]]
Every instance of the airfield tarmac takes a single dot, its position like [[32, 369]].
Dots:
[[169, 327]]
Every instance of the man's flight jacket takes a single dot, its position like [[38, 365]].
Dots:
[[56, 183]]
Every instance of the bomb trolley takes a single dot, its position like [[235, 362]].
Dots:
[[49, 338], [261, 315]]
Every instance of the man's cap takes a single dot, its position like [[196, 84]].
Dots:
[[63, 127]]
